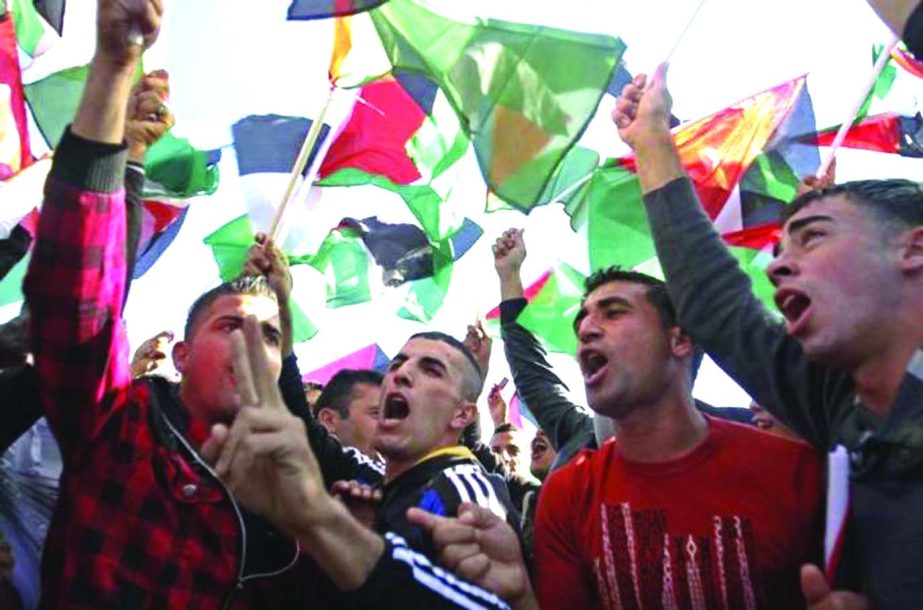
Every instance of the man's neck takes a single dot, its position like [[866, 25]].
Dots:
[[661, 432], [878, 377]]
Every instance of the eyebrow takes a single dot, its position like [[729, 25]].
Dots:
[[601, 304], [435, 362], [797, 225], [229, 318]]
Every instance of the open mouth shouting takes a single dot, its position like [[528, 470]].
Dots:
[[394, 410], [592, 365], [795, 306], [539, 446]]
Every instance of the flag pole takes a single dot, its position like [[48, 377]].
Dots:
[[854, 111], [303, 155], [684, 32]]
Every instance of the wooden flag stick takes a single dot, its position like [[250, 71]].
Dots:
[[854, 111], [303, 155]]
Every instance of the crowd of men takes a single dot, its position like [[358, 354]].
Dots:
[[239, 486]]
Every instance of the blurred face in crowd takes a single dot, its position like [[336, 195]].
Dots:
[[543, 455], [507, 447], [764, 420], [358, 430]]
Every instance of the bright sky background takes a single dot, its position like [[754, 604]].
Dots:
[[230, 58]]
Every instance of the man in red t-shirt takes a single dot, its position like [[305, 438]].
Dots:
[[679, 510]]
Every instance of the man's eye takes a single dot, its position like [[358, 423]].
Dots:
[[811, 235]]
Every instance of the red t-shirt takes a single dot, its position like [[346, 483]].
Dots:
[[726, 526]]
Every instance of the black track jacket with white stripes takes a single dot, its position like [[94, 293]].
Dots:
[[439, 483]]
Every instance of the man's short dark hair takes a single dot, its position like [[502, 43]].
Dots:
[[473, 384], [656, 294], [897, 204], [506, 427], [250, 285], [338, 392]]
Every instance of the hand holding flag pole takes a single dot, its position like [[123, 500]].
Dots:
[[854, 111]]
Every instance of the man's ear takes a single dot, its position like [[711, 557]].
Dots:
[[911, 251], [681, 344], [180, 356], [464, 415], [329, 419]]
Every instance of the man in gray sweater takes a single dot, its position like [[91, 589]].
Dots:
[[844, 367]]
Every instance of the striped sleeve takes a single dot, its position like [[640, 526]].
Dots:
[[470, 483], [405, 579]]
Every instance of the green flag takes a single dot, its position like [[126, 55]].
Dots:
[[344, 262], [426, 295], [230, 245], [177, 169], [524, 93], [550, 314], [34, 34]]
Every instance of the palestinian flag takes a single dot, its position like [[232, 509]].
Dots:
[[402, 137], [323, 9], [523, 94], [886, 133]]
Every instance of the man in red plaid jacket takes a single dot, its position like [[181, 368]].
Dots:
[[141, 521]]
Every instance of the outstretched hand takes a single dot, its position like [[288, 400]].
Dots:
[[479, 344], [480, 547], [509, 252], [643, 109], [266, 259], [496, 404], [816, 183], [149, 116], [151, 354], [117, 24]]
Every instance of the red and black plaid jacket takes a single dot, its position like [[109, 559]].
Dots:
[[141, 522]]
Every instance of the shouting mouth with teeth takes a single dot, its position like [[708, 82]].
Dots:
[[592, 366], [796, 307]]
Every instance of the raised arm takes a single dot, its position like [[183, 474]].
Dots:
[[76, 280], [545, 394], [713, 296]]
